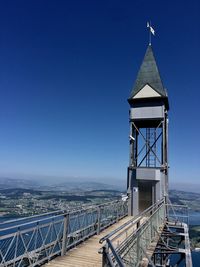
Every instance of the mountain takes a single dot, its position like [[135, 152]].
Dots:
[[6, 183], [68, 185], [187, 187], [85, 186]]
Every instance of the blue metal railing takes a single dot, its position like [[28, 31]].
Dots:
[[127, 245], [37, 239]]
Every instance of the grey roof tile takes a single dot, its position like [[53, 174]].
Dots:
[[148, 74]]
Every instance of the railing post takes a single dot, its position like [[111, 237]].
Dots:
[[138, 224], [117, 219], [157, 220], [151, 227], [138, 248], [98, 220], [104, 256], [65, 232], [166, 207], [187, 216], [17, 241]]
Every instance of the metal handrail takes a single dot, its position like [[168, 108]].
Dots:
[[31, 217], [115, 254], [62, 213], [140, 238], [130, 222], [132, 238]]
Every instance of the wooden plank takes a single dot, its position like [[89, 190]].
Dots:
[[86, 254]]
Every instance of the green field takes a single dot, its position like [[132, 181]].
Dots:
[[194, 233]]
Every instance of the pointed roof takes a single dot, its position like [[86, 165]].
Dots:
[[148, 74]]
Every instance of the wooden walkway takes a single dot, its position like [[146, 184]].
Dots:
[[85, 254]]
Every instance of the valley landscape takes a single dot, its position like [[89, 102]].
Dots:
[[22, 198]]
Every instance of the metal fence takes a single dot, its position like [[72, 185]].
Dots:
[[178, 213], [35, 240], [134, 242]]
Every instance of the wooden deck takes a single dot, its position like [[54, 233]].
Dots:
[[86, 254]]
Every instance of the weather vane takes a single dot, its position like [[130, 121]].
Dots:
[[151, 31]]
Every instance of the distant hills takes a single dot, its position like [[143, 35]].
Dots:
[[6, 183], [187, 187], [82, 184], [190, 199], [9, 183], [86, 186]]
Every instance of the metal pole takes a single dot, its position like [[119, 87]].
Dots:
[[138, 247], [117, 219], [104, 257], [98, 220], [65, 230], [149, 33]]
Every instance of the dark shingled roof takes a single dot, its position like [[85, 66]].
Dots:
[[148, 74]]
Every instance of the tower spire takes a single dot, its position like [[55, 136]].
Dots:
[[149, 75]]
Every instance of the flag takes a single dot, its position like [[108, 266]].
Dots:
[[151, 28]]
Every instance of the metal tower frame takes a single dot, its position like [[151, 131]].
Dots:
[[147, 175]]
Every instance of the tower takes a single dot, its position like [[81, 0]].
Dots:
[[147, 175]]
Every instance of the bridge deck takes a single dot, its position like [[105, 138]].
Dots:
[[86, 254]]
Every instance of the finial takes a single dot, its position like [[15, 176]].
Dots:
[[151, 31]]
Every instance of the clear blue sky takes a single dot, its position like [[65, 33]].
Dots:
[[66, 71]]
